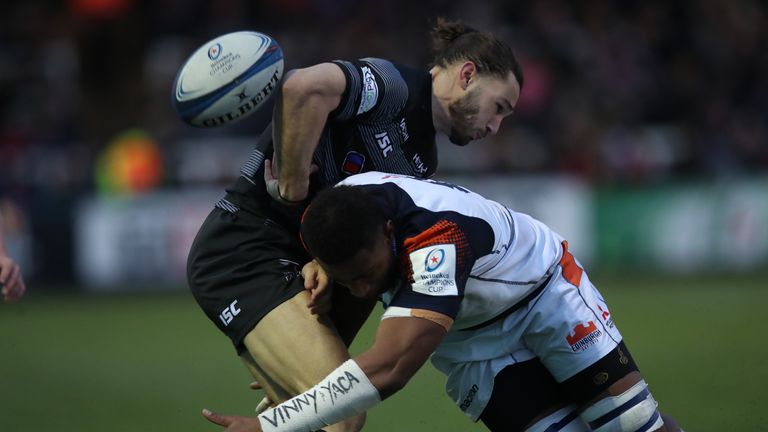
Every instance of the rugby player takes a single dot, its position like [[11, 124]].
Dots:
[[492, 295], [331, 121], [12, 284]]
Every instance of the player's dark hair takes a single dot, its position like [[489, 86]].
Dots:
[[340, 222], [454, 41]]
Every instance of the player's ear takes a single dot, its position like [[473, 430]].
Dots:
[[467, 73]]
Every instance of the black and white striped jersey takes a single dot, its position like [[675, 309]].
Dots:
[[383, 123]]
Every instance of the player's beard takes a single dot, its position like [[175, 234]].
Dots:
[[463, 113]]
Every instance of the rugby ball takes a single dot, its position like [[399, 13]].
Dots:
[[227, 79]]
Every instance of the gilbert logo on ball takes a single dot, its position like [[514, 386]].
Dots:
[[227, 79]]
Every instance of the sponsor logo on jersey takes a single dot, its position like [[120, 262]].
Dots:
[[606, 316], [214, 51], [434, 260], [385, 145], [434, 270], [369, 95], [583, 336], [353, 163], [420, 167], [403, 130]]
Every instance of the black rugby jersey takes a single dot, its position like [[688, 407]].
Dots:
[[383, 123]]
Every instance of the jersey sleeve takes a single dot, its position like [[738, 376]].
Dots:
[[439, 261], [375, 89]]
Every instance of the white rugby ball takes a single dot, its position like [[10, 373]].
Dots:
[[227, 79]]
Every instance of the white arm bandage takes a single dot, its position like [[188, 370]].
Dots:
[[347, 391]]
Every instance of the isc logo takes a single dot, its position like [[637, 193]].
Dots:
[[229, 313], [384, 144]]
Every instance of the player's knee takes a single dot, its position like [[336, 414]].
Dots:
[[635, 410], [563, 420]]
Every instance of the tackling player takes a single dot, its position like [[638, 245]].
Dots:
[[494, 296], [331, 121]]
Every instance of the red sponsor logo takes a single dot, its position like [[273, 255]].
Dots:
[[605, 312], [606, 316], [583, 336]]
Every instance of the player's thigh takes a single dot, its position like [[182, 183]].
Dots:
[[571, 330], [277, 392], [294, 348], [272, 390], [569, 327], [522, 393]]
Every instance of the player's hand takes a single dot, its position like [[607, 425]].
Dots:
[[318, 284], [11, 281], [296, 196], [233, 423], [265, 403], [273, 182]]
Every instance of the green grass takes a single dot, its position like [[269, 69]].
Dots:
[[151, 362]]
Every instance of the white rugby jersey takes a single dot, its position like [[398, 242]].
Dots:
[[467, 259]]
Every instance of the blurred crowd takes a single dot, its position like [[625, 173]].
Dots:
[[615, 91]]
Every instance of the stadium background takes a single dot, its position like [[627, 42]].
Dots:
[[641, 134]]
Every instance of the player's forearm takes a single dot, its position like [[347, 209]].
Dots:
[[347, 391], [299, 118], [344, 393], [389, 372], [401, 348], [294, 146], [359, 384]]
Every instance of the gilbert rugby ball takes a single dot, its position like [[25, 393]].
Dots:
[[227, 79]]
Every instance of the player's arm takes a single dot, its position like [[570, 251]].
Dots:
[[401, 347], [306, 98]]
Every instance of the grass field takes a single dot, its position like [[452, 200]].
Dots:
[[151, 362]]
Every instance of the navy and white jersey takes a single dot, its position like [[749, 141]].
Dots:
[[383, 123], [467, 259]]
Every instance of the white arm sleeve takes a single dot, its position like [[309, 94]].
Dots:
[[345, 392]]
